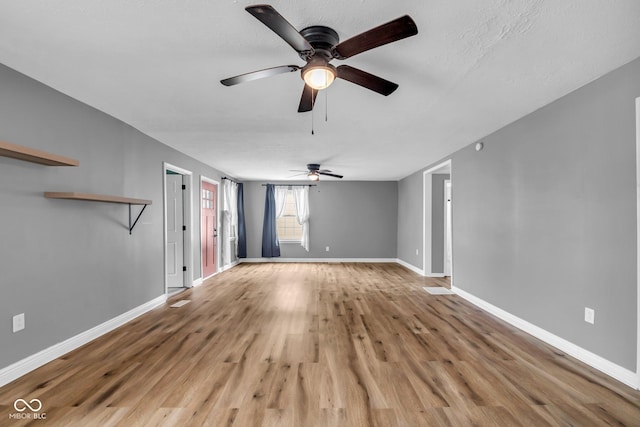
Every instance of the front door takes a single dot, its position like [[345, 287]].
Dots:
[[209, 228], [175, 232]]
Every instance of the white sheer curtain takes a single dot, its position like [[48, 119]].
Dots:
[[301, 195], [280, 194], [229, 221]]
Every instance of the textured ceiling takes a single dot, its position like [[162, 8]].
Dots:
[[475, 66]]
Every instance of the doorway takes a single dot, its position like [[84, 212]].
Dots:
[[434, 250], [178, 273], [209, 226], [448, 229]]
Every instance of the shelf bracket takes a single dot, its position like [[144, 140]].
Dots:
[[104, 199], [137, 218]]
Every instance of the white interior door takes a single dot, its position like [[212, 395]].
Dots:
[[175, 232], [448, 229]]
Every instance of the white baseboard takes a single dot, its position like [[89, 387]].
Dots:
[[417, 270], [410, 267], [220, 270], [332, 260], [320, 260], [227, 267], [197, 282], [24, 366], [618, 372]]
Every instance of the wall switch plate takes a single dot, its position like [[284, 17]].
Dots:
[[18, 322], [327, 249], [589, 315], [417, 252]]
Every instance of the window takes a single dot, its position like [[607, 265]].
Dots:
[[207, 199], [288, 228]]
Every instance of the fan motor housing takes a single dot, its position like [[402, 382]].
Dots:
[[322, 38]]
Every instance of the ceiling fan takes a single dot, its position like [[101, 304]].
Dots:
[[313, 172], [317, 45]]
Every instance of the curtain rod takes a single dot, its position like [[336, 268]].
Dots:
[[291, 185], [229, 179]]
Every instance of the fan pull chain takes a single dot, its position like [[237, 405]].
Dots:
[[326, 105], [312, 105]]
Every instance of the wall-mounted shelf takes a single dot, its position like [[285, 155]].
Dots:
[[35, 156], [96, 198], [103, 198]]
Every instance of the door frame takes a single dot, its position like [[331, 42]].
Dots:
[[188, 216], [217, 184], [638, 240], [448, 223], [427, 199]]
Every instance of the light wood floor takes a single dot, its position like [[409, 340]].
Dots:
[[320, 345]]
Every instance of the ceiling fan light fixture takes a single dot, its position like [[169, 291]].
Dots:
[[319, 75], [313, 176]]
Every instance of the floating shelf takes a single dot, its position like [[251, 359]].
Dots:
[[35, 156], [102, 198], [96, 198]]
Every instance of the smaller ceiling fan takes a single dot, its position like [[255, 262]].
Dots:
[[313, 172], [317, 45]]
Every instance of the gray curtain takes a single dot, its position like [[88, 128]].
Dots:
[[270, 243]]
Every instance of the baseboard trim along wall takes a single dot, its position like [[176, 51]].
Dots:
[[320, 260], [201, 280], [618, 372], [410, 267], [228, 266], [24, 366]]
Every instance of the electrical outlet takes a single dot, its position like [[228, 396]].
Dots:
[[589, 315], [18, 322], [327, 249]]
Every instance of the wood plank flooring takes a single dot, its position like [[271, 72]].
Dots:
[[320, 345]]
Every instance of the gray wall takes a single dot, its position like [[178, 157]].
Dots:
[[437, 222], [410, 216], [356, 219], [544, 218], [72, 265]]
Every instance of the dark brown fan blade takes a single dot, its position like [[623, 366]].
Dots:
[[254, 75], [328, 173], [272, 19], [308, 99], [364, 79], [395, 30], [297, 174]]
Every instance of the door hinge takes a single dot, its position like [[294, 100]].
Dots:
[[184, 228], [184, 187], [184, 268]]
